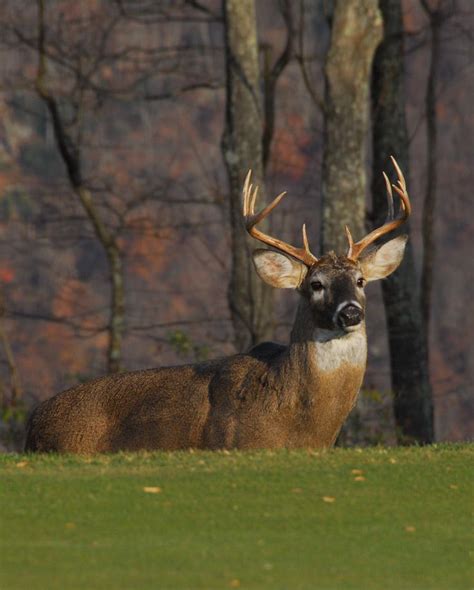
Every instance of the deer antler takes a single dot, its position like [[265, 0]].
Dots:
[[391, 222], [251, 218]]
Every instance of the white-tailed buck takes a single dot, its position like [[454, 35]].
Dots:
[[272, 396]]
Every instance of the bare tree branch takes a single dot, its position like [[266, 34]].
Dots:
[[270, 79], [302, 60]]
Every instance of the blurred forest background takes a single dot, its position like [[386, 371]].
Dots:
[[126, 130]]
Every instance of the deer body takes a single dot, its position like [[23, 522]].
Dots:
[[271, 397]]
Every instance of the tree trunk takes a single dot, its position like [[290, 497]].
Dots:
[[70, 152], [250, 300], [117, 310], [429, 205], [356, 31], [407, 339], [271, 76]]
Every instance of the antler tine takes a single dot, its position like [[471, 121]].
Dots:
[[305, 238], [245, 193], [252, 219], [349, 239], [402, 189], [253, 193], [391, 222], [390, 206], [401, 178], [257, 217]]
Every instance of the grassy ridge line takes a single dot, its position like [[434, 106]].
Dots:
[[377, 454], [282, 519]]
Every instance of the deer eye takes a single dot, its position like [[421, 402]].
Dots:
[[317, 286], [360, 282]]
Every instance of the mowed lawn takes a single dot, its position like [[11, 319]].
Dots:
[[344, 519]]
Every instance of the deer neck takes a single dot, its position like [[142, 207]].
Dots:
[[325, 370]]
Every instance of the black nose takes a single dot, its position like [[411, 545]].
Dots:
[[350, 315]]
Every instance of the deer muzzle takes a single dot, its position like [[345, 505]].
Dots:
[[349, 316]]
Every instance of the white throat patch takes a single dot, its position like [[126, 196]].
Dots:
[[332, 349]]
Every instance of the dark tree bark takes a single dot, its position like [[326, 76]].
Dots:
[[429, 205], [70, 151], [271, 76], [413, 406], [250, 300], [356, 31]]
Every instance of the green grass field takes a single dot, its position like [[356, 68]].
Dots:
[[345, 519]]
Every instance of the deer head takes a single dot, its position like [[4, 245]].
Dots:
[[333, 285]]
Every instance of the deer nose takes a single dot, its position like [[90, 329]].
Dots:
[[349, 315]]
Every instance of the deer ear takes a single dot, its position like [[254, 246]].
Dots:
[[383, 261], [279, 270]]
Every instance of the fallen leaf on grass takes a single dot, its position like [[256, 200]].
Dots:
[[234, 583], [21, 464], [357, 472], [359, 478], [329, 499], [453, 486], [392, 460], [410, 529], [152, 490]]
